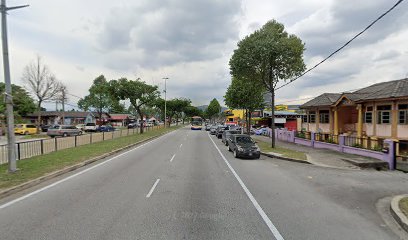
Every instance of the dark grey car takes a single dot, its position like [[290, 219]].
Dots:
[[243, 146], [63, 131], [227, 134], [220, 130], [213, 130]]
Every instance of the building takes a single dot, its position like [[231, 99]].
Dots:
[[120, 120], [71, 117], [379, 111]]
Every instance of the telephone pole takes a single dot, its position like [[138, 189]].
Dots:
[[11, 141]]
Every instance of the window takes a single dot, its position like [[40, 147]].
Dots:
[[384, 114], [312, 117], [402, 113], [324, 116], [368, 115], [304, 118]]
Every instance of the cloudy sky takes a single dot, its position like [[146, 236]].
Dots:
[[191, 41]]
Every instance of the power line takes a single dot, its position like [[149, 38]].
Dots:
[[73, 95], [341, 48]]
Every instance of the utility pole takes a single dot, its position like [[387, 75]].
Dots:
[[11, 141], [63, 98], [165, 100]]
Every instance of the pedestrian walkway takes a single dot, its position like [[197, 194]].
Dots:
[[322, 157]]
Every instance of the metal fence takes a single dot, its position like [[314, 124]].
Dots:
[[369, 143], [326, 137], [39, 147]]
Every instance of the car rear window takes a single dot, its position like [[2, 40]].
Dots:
[[90, 124], [54, 127]]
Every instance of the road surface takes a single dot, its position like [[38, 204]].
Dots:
[[186, 185]]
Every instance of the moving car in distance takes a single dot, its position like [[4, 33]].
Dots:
[[243, 146], [196, 123], [227, 134], [63, 131], [220, 130], [208, 127], [213, 129]]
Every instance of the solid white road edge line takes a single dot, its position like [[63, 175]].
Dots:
[[172, 158], [76, 174], [261, 212], [154, 186]]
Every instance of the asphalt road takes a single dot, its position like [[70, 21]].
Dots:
[[186, 185]]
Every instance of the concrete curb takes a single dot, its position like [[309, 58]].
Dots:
[[396, 212], [285, 158], [32, 183]]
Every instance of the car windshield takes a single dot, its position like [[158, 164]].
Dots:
[[244, 140], [90, 124], [19, 126]]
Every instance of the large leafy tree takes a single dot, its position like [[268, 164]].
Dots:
[[99, 98], [41, 83], [213, 109], [268, 56], [244, 94], [137, 92], [176, 107], [22, 102]]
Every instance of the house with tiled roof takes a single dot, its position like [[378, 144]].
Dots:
[[379, 111]]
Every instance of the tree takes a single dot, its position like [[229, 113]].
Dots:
[[22, 102], [213, 109], [175, 108], [100, 97], [268, 56], [137, 92], [41, 83], [244, 94]]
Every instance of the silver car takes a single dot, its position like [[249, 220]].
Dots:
[[63, 131]]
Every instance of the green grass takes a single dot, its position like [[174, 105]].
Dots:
[[266, 147], [403, 204], [38, 166], [35, 136]]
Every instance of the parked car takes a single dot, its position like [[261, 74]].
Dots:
[[44, 128], [208, 127], [80, 127], [63, 131], [25, 129], [133, 125], [227, 134], [90, 127], [213, 130], [105, 128], [220, 130], [243, 146]]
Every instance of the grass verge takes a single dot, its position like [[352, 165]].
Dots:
[[403, 204], [32, 168], [266, 147]]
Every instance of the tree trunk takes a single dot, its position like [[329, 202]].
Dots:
[[177, 118], [141, 120], [273, 117], [39, 116], [249, 120]]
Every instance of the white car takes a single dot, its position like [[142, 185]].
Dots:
[[90, 127]]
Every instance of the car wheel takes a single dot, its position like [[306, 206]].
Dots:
[[80, 133], [25, 133], [235, 154], [65, 134]]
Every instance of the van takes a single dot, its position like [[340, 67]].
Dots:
[[63, 131], [25, 129]]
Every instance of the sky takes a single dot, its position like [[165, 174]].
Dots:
[[191, 42]]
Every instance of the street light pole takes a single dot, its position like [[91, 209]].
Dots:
[[165, 100], [11, 141]]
